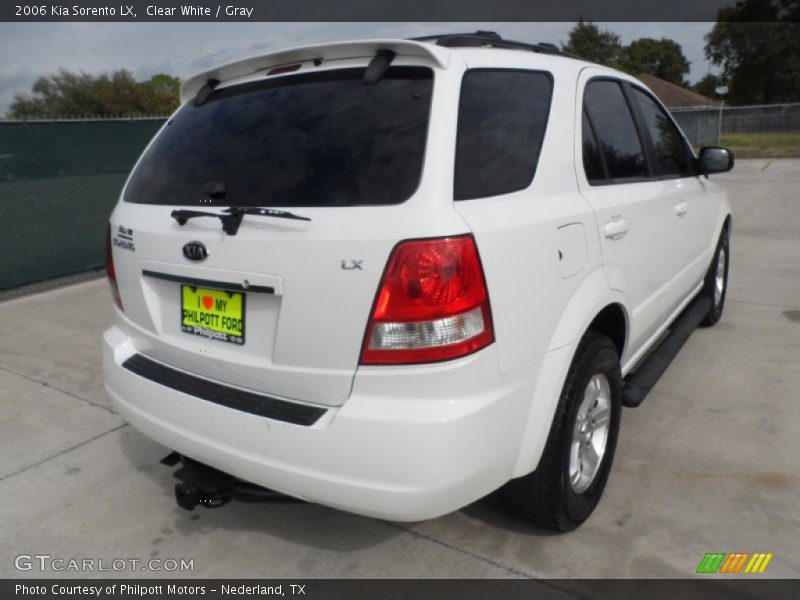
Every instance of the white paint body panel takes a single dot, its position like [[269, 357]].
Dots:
[[409, 442]]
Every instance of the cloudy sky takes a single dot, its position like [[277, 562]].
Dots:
[[28, 50]]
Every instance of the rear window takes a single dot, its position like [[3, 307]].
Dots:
[[318, 139], [501, 122]]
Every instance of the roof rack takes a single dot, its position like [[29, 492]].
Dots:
[[483, 39]]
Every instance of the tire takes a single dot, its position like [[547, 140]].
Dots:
[[553, 496], [721, 261]]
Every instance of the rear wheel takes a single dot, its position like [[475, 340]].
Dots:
[[716, 283], [572, 473]]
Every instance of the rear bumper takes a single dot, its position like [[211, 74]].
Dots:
[[410, 443]]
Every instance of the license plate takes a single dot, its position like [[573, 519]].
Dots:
[[214, 314]]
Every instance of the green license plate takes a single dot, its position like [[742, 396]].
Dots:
[[214, 314]]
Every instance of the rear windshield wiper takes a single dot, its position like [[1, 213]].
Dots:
[[232, 217]]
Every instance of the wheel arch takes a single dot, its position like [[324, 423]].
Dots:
[[593, 306], [612, 322]]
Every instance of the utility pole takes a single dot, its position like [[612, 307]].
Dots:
[[721, 91]]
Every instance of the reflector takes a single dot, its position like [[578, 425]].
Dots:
[[111, 272]]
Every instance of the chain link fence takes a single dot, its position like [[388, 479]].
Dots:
[[59, 181], [701, 125]]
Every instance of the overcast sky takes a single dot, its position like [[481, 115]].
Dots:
[[28, 50]]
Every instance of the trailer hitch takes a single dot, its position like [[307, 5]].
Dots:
[[201, 485], [189, 497]]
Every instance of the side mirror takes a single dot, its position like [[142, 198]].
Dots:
[[714, 159]]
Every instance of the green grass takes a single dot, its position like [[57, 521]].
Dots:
[[763, 145]]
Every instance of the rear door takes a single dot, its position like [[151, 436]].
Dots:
[[635, 211], [281, 305]]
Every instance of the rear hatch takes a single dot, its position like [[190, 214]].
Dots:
[[280, 306]]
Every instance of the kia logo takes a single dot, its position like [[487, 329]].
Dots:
[[195, 251]]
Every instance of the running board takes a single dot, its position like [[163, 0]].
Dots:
[[647, 374]]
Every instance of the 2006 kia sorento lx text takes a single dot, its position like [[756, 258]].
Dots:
[[393, 276]]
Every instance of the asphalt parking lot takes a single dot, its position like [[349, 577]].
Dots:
[[710, 462]]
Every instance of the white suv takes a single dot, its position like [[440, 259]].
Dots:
[[393, 276]]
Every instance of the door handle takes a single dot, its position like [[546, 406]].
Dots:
[[616, 228], [681, 207]]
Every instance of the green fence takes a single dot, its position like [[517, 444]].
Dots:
[[59, 181]]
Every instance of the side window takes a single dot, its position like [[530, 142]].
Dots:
[[592, 160], [671, 155], [502, 117], [616, 132]]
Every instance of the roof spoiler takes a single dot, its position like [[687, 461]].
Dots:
[[324, 52]]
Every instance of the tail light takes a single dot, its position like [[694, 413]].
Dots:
[[111, 271], [431, 305]]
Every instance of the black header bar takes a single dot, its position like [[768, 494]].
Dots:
[[448, 11]]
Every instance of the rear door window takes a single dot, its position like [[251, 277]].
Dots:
[[617, 137], [501, 123], [670, 151], [317, 139]]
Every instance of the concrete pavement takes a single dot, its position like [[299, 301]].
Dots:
[[710, 461]]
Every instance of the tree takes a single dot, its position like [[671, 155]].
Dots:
[[160, 94], [69, 94], [708, 85], [119, 94], [663, 58], [62, 93], [757, 44], [589, 43]]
